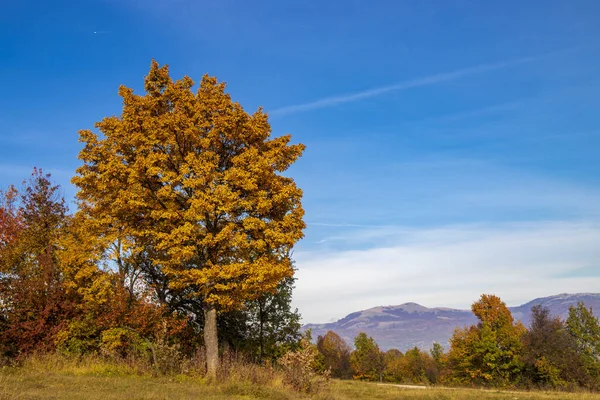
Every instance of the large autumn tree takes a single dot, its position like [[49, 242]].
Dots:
[[195, 183]]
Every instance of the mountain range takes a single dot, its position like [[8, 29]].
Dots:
[[408, 325]]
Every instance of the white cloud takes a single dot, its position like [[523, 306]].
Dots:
[[449, 266]]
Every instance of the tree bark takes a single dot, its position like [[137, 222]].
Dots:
[[211, 341], [260, 331]]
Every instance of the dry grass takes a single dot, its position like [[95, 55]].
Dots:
[[58, 377], [94, 378]]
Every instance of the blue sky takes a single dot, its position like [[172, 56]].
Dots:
[[444, 138]]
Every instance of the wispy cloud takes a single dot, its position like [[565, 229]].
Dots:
[[418, 82]]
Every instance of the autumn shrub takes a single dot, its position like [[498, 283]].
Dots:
[[120, 342], [78, 337], [300, 369]]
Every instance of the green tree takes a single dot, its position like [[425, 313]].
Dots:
[[266, 328], [366, 360], [336, 355], [420, 366], [394, 366], [550, 353], [274, 325], [439, 363], [437, 353], [585, 330], [195, 182], [490, 352]]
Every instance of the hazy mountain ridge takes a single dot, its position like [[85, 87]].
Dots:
[[411, 324]]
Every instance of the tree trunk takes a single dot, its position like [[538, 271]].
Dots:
[[260, 331], [211, 341]]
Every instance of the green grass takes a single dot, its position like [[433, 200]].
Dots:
[[41, 381]]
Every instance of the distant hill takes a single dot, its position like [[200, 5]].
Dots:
[[558, 305], [410, 324]]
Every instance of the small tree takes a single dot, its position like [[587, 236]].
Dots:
[[549, 351], [367, 360], [394, 370], [437, 353], [584, 328], [266, 328], [439, 363], [420, 366], [336, 355], [490, 352], [33, 301], [274, 325]]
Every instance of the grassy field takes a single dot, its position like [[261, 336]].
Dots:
[[26, 384]]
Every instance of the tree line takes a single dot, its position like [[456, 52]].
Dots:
[[495, 352]]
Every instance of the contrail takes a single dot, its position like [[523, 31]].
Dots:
[[348, 225], [425, 81]]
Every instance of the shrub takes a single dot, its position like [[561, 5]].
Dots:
[[300, 368]]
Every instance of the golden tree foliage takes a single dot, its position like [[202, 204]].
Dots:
[[490, 309], [80, 254], [195, 182]]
